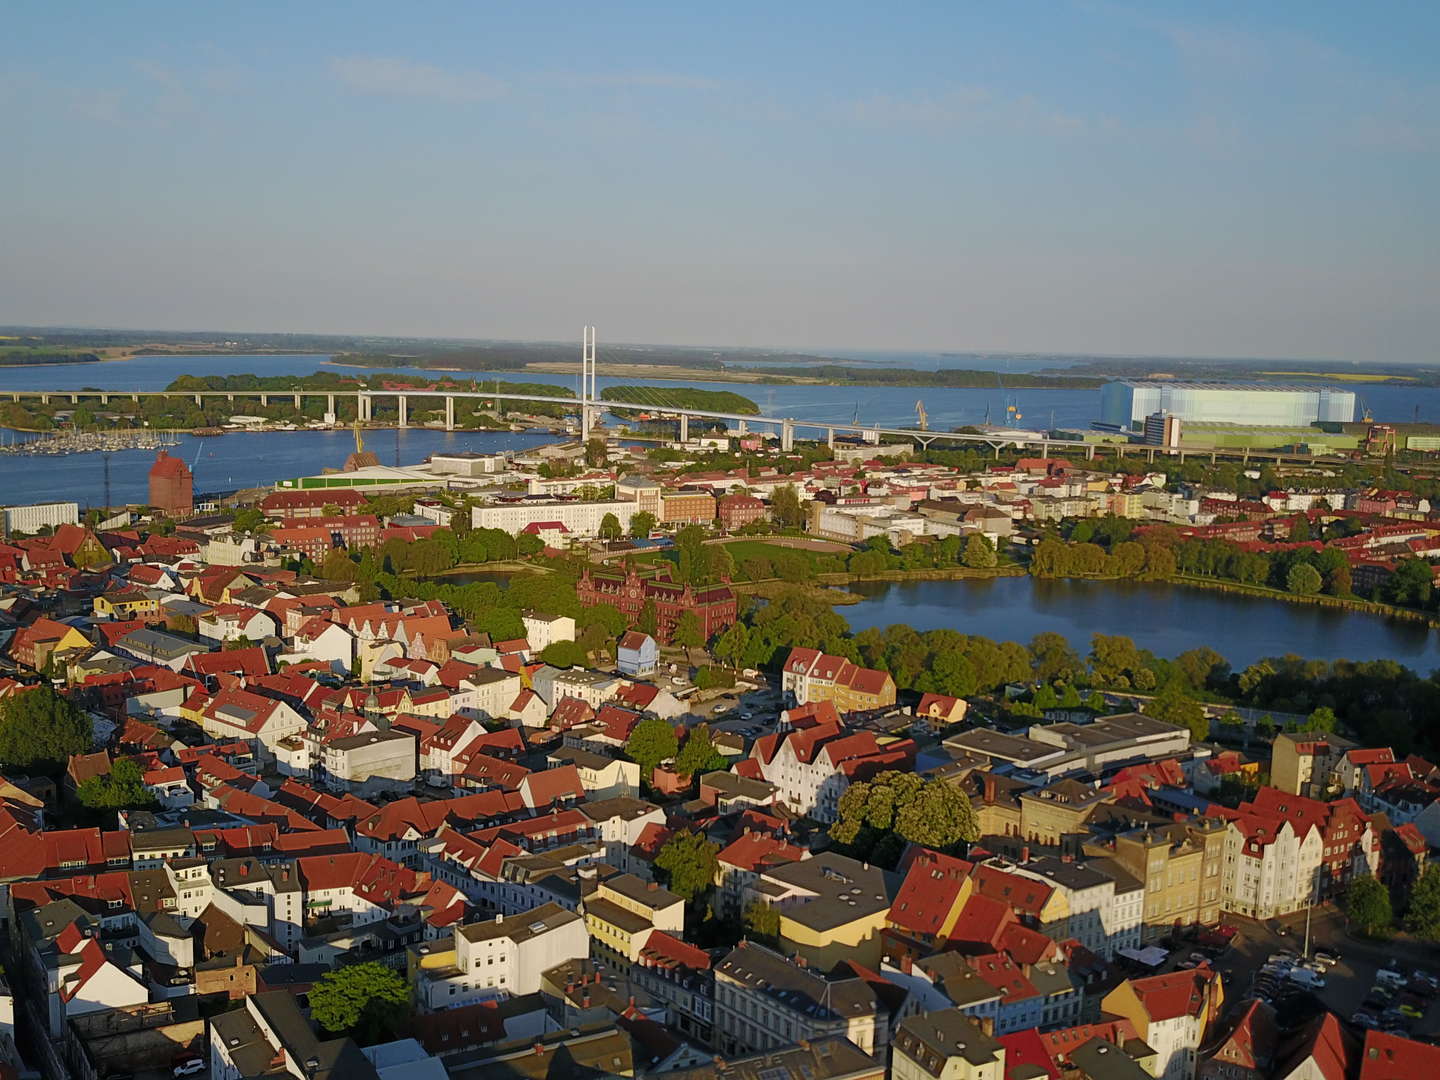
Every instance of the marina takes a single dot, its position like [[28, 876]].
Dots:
[[62, 443]]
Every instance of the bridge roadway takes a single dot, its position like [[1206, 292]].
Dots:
[[786, 426]]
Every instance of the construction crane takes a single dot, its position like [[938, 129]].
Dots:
[[359, 439], [922, 415]]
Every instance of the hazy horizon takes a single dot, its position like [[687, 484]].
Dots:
[[1083, 178]]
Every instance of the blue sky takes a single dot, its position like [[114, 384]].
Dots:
[[1202, 179]]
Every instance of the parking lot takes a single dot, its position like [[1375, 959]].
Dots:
[[1349, 983]]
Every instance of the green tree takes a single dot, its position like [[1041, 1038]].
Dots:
[[1410, 584], [1303, 580], [1367, 906], [610, 527], [460, 522], [1322, 720], [1173, 706], [336, 566], [699, 756], [649, 621], [688, 633], [761, 922], [906, 807], [939, 816], [651, 741], [979, 552], [689, 862], [368, 1002], [1423, 917], [597, 453], [785, 508], [642, 524], [563, 654], [248, 520], [122, 789], [39, 728], [1054, 659]]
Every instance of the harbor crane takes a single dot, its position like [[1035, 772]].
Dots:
[[922, 416]]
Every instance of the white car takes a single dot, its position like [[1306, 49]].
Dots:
[[188, 1066]]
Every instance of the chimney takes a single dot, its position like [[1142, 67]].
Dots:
[[1025, 853], [989, 788], [539, 1049], [906, 963]]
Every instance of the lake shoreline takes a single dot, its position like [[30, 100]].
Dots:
[[1167, 618]]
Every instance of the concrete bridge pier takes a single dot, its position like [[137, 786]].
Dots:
[[830, 437], [264, 401], [1090, 452], [1150, 456], [402, 403], [743, 428], [363, 407], [449, 413], [44, 399], [684, 427], [787, 434], [74, 399]]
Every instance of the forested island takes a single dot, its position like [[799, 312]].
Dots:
[[680, 397], [958, 378]]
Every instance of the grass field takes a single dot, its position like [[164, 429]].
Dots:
[[1347, 377]]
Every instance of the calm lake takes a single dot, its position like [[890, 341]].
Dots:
[[1166, 619]]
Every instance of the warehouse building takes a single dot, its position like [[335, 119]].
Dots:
[[1125, 404]]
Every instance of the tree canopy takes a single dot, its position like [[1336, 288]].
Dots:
[[369, 1002], [39, 728], [877, 817], [122, 789], [1367, 906], [689, 862], [1423, 917], [651, 741]]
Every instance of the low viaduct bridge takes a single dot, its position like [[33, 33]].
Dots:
[[590, 409]]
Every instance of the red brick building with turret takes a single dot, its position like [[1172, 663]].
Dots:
[[172, 487], [714, 605]]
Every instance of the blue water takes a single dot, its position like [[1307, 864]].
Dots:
[[253, 459], [1166, 619]]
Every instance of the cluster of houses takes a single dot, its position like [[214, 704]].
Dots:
[[329, 781]]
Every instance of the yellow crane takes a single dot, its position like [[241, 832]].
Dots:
[[923, 416], [359, 439]]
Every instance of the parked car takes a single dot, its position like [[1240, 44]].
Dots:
[[188, 1065], [1306, 978], [1391, 976], [1328, 956], [1411, 1011], [1365, 1019]]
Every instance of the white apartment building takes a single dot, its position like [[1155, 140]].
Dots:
[[581, 519], [498, 959], [544, 630], [490, 691], [1269, 868]]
